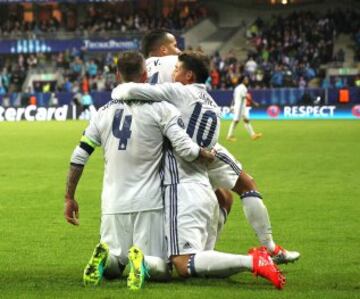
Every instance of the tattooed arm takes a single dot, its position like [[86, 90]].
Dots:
[[71, 211]]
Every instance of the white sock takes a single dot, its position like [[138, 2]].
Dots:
[[221, 221], [218, 264], [249, 128], [258, 217], [158, 268], [231, 129], [113, 268]]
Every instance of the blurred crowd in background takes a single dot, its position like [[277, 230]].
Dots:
[[286, 51]]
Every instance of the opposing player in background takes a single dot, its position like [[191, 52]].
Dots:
[[225, 173], [240, 100], [191, 207], [131, 202]]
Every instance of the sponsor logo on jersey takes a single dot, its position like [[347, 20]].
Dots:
[[187, 245], [180, 122]]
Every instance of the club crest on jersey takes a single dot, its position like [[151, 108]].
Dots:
[[181, 123]]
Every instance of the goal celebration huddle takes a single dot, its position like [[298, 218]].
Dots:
[[167, 181]]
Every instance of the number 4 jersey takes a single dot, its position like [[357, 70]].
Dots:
[[201, 120], [132, 139]]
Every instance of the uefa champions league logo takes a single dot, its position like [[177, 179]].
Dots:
[[30, 46], [273, 111], [356, 111]]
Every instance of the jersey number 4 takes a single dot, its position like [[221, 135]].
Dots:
[[207, 116], [123, 133]]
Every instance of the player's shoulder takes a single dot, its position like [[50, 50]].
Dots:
[[163, 60]]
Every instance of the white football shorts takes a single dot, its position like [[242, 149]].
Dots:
[[143, 229], [225, 170], [191, 218], [240, 111]]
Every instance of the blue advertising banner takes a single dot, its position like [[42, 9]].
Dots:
[[24, 46]]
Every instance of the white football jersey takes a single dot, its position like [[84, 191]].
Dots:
[[160, 69], [132, 139], [201, 117], [240, 93]]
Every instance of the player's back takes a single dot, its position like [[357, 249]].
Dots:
[[240, 92], [132, 141], [160, 69], [201, 117]]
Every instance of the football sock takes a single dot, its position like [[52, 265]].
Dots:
[[113, 268], [249, 128], [157, 267], [258, 217], [218, 264], [231, 129], [221, 220]]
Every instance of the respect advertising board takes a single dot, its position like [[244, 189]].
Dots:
[[275, 112], [272, 112]]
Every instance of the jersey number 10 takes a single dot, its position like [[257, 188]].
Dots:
[[123, 133], [202, 140]]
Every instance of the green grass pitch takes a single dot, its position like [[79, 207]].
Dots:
[[307, 171]]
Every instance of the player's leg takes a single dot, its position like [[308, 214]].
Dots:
[[191, 234], [149, 236], [257, 215], [219, 264], [227, 172], [225, 200], [235, 121], [105, 260], [248, 126], [116, 233]]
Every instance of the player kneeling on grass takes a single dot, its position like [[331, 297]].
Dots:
[[191, 208], [132, 212], [225, 173]]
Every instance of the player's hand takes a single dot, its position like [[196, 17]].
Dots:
[[206, 156], [71, 211]]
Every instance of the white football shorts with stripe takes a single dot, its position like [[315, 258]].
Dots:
[[225, 170], [191, 218]]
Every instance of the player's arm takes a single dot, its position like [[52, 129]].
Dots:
[[173, 128], [251, 100], [89, 141], [170, 92]]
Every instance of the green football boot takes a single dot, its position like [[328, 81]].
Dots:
[[94, 270], [137, 269]]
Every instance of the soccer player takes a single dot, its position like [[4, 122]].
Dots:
[[225, 173], [131, 203], [191, 208], [241, 97]]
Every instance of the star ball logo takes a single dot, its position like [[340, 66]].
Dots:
[[356, 111], [273, 111]]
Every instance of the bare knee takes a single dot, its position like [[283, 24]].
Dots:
[[180, 263], [225, 199], [244, 183]]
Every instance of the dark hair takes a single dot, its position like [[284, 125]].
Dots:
[[198, 63], [130, 65], [152, 41]]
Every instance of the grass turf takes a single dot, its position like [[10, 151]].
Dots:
[[307, 171]]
